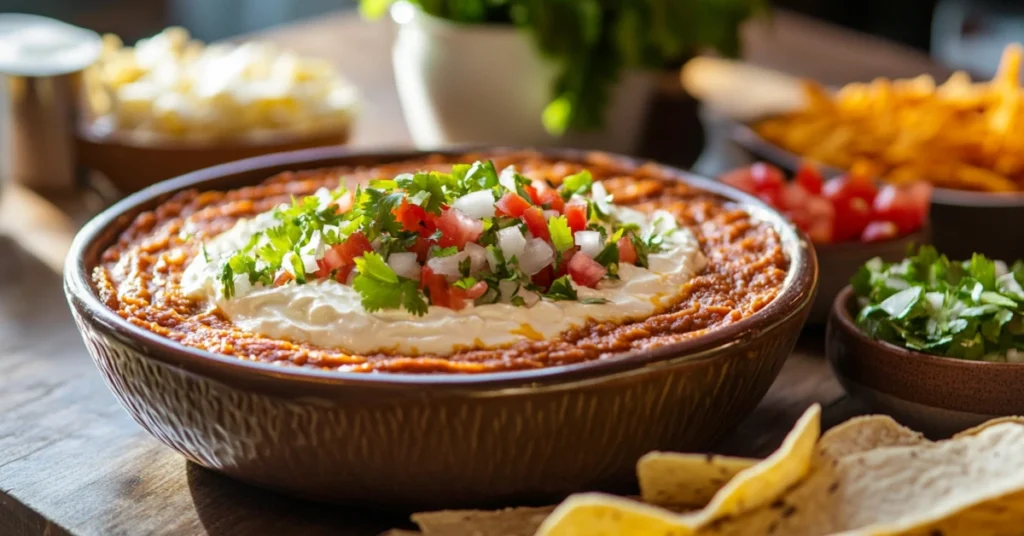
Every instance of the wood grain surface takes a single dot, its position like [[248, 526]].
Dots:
[[73, 462]]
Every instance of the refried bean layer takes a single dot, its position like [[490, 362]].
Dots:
[[140, 274]]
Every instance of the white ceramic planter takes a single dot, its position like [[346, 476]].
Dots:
[[487, 84]]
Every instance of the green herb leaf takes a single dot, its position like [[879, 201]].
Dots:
[[562, 290]]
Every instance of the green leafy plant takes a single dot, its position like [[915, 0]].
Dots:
[[592, 41]]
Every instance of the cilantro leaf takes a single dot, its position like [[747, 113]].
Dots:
[[562, 290], [381, 288]]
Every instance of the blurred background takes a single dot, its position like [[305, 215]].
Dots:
[[962, 33]]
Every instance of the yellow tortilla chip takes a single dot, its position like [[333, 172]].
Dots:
[[862, 434], [508, 522], [896, 489], [674, 479], [597, 514], [771, 477], [988, 424]]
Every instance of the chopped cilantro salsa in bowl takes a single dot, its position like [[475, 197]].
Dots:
[[972, 309]]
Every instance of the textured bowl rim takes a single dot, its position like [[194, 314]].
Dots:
[[749, 139], [844, 320], [794, 299]]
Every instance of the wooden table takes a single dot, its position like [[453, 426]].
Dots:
[[72, 461]]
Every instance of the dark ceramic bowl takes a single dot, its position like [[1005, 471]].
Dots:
[[838, 262], [937, 395], [962, 222], [432, 441]]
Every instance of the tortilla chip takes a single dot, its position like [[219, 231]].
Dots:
[[977, 429], [1001, 517], [400, 532], [673, 479], [771, 477], [862, 434], [598, 514], [897, 489], [508, 522], [595, 514]]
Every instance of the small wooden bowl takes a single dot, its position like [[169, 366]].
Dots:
[[963, 222], [838, 263], [937, 395], [131, 165]]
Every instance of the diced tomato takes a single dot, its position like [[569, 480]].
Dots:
[[476, 290], [849, 186], [851, 195], [810, 178], [456, 299], [852, 215], [906, 207], [435, 286], [878, 231], [794, 197], [354, 246], [544, 277], [767, 178], [535, 222], [344, 203], [543, 194], [512, 204], [586, 271], [421, 248], [342, 273], [576, 214], [411, 216], [627, 253], [563, 265], [740, 179], [458, 229], [283, 278], [820, 219]]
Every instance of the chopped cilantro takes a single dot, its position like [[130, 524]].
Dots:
[[381, 288], [931, 304], [561, 290]]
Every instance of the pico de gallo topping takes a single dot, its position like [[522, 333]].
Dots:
[[846, 208], [471, 236]]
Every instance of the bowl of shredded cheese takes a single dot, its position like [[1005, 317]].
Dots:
[[172, 104]]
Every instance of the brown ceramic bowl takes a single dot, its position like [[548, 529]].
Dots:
[[431, 441], [937, 395], [838, 262], [132, 165], [962, 222]]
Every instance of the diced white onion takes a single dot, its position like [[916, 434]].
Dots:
[[1014, 356], [507, 178], [492, 260], [316, 247], [476, 205], [512, 242], [447, 266], [548, 214], [1001, 267], [405, 264], [600, 196], [537, 255], [325, 197], [288, 263], [242, 285], [477, 257], [589, 242], [508, 289], [309, 263]]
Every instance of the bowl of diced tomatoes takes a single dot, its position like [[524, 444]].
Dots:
[[850, 219]]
